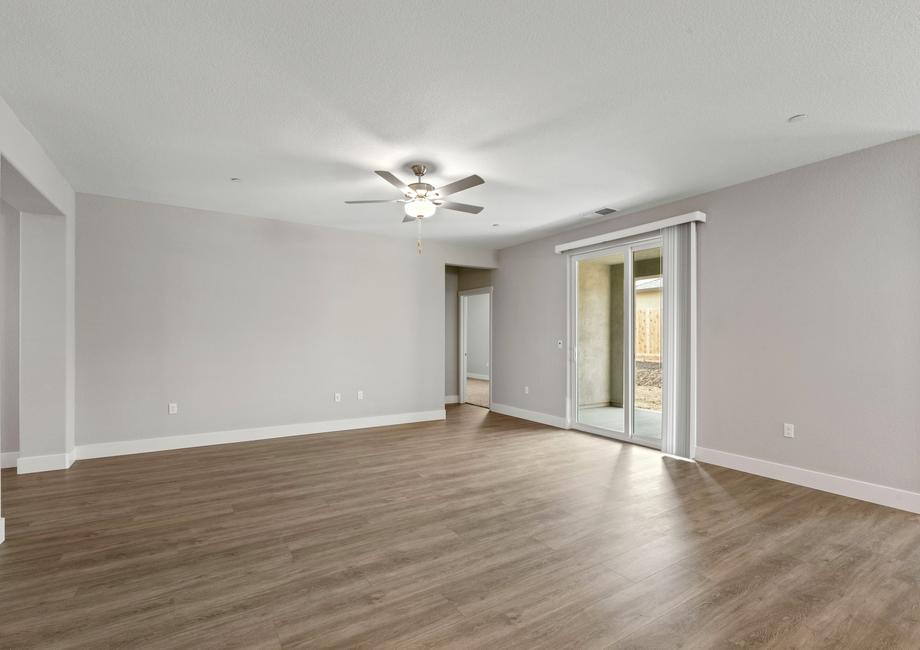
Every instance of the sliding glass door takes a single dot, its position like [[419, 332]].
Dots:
[[617, 332], [600, 342], [646, 327]]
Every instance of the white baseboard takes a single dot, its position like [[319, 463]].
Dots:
[[848, 487], [165, 443], [48, 463], [2, 530], [476, 375], [451, 399], [8, 459], [533, 416]]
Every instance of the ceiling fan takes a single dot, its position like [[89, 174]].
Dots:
[[422, 199]]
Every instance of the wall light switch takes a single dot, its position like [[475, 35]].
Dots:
[[360, 394], [559, 343], [173, 408], [338, 397], [789, 430], [527, 390]]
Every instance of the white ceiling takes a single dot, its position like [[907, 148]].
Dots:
[[563, 107]]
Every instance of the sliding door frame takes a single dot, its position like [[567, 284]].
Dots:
[[649, 240], [633, 248]]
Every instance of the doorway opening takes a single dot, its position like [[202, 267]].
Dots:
[[476, 347], [468, 336]]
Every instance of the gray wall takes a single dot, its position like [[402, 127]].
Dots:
[[45, 309], [249, 322], [808, 313], [451, 333], [474, 279], [477, 335], [9, 328], [43, 323]]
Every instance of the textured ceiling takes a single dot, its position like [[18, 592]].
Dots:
[[563, 107]]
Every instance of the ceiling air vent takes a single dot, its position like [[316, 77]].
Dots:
[[604, 211]]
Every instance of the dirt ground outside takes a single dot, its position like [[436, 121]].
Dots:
[[648, 385]]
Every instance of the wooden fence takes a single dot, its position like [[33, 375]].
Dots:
[[648, 335]]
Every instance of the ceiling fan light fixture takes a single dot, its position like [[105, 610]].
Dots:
[[421, 208], [423, 199]]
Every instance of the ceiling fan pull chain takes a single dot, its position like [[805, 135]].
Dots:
[[418, 242]]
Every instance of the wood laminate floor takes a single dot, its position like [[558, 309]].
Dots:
[[481, 531]]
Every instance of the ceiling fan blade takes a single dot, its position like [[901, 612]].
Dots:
[[460, 207], [458, 186], [377, 201], [395, 182]]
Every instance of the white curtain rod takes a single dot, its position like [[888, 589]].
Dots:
[[629, 232]]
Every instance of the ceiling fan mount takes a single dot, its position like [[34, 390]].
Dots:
[[419, 188]]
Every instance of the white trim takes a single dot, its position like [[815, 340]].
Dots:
[[616, 435], [165, 443], [2, 530], [533, 416], [48, 463], [461, 347], [629, 232], [451, 399], [571, 282], [476, 375], [848, 487], [8, 459], [629, 344]]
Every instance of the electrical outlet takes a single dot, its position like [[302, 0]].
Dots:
[[527, 390], [789, 430], [173, 408], [360, 394], [338, 397]]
